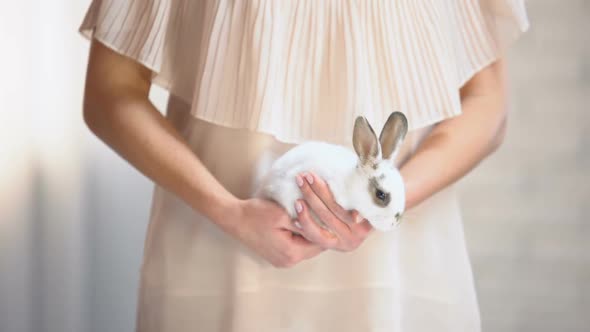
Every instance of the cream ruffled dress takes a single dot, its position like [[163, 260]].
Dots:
[[248, 80]]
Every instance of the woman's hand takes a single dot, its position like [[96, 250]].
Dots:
[[266, 228], [117, 109], [345, 232]]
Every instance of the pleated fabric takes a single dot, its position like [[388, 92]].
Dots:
[[304, 69]]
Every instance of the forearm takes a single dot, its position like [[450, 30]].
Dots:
[[455, 146], [133, 128]]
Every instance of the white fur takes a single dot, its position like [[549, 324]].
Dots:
[[347, 178]]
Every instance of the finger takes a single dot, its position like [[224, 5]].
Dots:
[[292, 225], [356, 217], [296, 248], [322, 190], [362, 228], [308, 249], [311, 230], [323, 212]]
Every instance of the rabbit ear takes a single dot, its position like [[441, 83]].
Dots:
[[365, 141], [393, 133]]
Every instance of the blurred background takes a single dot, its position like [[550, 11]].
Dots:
[[73, 214]]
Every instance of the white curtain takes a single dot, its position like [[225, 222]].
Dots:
[[72, 213]]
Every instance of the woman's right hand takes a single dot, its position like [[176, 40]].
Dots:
[[118, 111], [266, 228]]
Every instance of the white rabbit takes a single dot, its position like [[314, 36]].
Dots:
[[367, 181]]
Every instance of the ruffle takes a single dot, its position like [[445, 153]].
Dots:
[[304, 69], [138, 29]]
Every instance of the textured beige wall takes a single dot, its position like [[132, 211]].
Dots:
[[526, 207]]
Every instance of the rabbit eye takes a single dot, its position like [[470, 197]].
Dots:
[[380, 197]]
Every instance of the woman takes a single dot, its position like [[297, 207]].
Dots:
[[247, 81]]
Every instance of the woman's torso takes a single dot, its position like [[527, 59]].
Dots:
[[420, 266]]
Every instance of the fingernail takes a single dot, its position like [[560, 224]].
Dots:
[[298, 207], [299, 180], [309, 178], [357, 217], [297, 224]]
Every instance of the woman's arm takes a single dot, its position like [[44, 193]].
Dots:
[[450, 151], [455, 146], [118, 111]]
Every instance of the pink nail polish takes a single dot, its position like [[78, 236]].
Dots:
[[309, 178], [299, 180], [298, 207]]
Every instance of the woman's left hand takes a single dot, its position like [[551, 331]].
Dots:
[[347, 231]]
